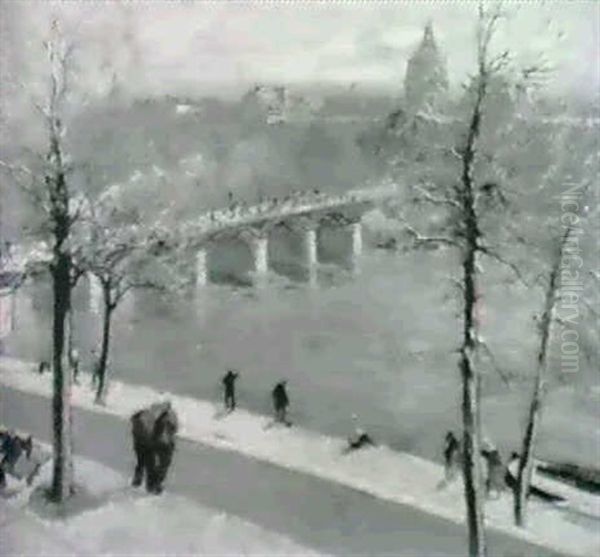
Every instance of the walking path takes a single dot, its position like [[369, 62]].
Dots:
[[403, 485]]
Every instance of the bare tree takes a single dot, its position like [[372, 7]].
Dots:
[[545, 327], [453, 181], [471, 246], [47, 181], [55, 181], [574, 163], [123, 253], [60, 219]]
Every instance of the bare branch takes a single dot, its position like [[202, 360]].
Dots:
[[137, 284], [428, 196], [497, 257], [456, 153], [14, 169], [420, 239], [486, 349], [497, 63], [456, 283], [556, 319], [44, 112], [38, 194]]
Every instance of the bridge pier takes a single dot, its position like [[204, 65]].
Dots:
[[201, 268], [357, 243], [260, 256], [310, 247]]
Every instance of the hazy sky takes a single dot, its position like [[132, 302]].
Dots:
[[186, 47]]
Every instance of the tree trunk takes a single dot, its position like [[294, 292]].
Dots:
[[61, 267], [62, 478], [525, 471], [70, 346], [102, 364], [471, 381], [474, 497]]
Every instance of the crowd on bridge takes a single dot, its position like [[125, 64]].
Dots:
[[239, 209]]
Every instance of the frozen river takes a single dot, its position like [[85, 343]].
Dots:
[[380, 343]]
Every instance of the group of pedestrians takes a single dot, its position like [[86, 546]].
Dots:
[[495, 472], [279, 397], [498, 476], [74, 365]]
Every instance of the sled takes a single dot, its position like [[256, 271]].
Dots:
[[561, 492], [587, 479]]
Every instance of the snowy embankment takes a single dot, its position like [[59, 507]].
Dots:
[[381, 472], [108, 518]]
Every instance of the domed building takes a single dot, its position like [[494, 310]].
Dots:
[[426, 80]]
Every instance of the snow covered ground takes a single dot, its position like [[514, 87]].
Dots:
[[381, 472], [110, 518]]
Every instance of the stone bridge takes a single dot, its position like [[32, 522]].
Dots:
[[290, 236]]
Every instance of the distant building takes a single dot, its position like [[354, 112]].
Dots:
[[426, 80]]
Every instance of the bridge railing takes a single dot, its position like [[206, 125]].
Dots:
[[240, 215]]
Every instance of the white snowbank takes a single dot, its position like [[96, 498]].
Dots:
[[126, 522], [381, 472]]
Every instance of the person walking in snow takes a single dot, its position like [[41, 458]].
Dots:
[[281, 402], [229, 385], [496, 472], [95, 368], [451, 456]]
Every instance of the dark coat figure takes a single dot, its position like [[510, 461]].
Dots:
[[280, 402], [496, 472], [12, 447], [359, 440], [95, 369], [229, 384], [153, 430], [43, 367], [451, 456], [362, 440]]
